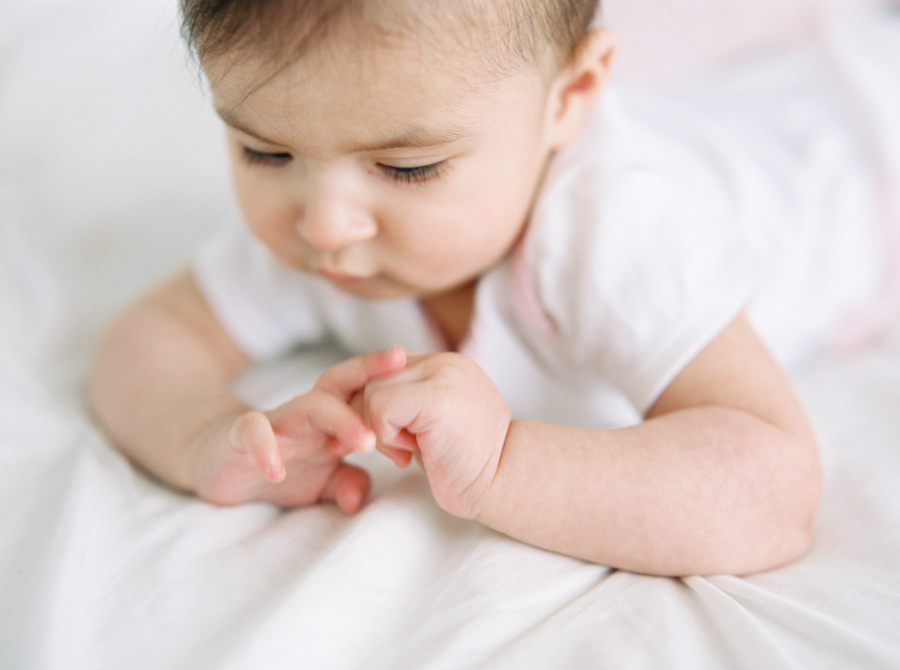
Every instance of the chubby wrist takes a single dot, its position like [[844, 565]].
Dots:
[[539, 481], [206, 424], [498, 496]]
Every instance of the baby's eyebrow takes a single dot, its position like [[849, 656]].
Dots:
[[411, 137]]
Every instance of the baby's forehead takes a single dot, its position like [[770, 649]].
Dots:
[[350, 88], [488, 31]]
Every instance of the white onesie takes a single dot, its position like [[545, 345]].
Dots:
[[664, 220]]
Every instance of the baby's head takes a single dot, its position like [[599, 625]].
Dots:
[[507, 32], [395, 146]]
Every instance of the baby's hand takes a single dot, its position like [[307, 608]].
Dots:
[[443, 409], [292, 456]]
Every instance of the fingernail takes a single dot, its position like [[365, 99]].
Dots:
[[276, 473], [369, 443]]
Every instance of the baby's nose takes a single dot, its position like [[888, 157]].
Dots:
[[331, 224]]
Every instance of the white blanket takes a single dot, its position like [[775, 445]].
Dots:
[[111, 170]]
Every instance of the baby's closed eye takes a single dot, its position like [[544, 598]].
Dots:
[[274, 159], [414, 175]]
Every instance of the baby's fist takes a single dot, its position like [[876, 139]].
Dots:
[[444, 408]]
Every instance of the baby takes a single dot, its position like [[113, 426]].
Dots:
[[455, 179]]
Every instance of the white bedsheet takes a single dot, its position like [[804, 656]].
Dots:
[[110, 171]]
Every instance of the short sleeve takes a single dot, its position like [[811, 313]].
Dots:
[[636, 267]]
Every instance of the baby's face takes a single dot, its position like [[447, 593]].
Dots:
[[386, 167]]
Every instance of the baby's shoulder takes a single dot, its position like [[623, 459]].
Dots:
[[637, 152], [627, 184]]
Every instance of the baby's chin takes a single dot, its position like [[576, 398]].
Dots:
[[373, 288], [381, 287]]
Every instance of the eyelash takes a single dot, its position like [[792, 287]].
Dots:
[[254, 157], [408, 175], [414, 175]]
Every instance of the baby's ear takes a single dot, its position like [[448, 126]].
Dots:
[[577, 85]]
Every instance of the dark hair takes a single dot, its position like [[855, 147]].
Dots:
[[283, 29]]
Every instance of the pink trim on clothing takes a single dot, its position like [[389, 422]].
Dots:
[[868, 324], [526, 298]]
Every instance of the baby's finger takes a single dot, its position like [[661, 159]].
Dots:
[[253, 433], [394, 406], [335, 418], [356, 403], [348, 486], [394, 441], [347, 378], [401, 457], [327, 415]]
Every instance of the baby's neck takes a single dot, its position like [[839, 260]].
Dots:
[[452, 312]]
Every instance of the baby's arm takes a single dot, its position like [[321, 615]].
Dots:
[[722, 477], [161, 386]]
